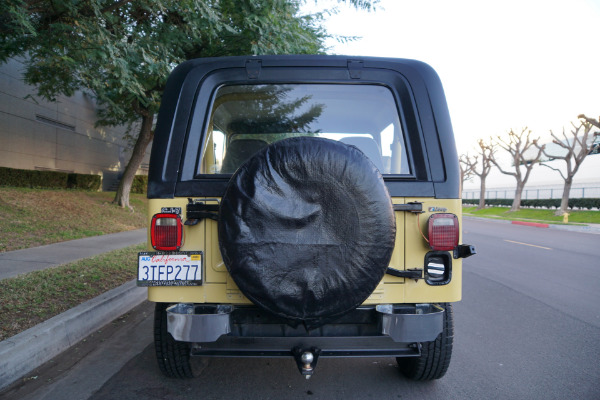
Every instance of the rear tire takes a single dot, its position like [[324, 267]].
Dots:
[[435, 356], [173, 356]]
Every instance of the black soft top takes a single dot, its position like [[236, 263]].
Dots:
[[188, 97]]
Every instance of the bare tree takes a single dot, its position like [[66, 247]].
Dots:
[[595, 142], [466, 164], [592, 121], [482, 169], [523, 160], [578, 146]]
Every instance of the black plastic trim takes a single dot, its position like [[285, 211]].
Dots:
[[464, 251], [447, 259]]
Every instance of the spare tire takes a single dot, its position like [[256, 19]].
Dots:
[[307, 229]]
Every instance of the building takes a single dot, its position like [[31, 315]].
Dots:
[[57, 136]]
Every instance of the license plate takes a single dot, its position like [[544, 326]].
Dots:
[[182, 268]]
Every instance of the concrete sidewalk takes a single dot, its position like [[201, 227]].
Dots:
[[13, 263], [33, 347]]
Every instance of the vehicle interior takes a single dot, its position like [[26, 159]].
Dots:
[[247, 118]]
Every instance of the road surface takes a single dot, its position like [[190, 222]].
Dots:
[[527, 328]]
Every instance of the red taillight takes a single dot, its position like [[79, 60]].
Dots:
[[166, 232], [443, 232]]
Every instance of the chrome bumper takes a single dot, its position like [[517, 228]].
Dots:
[[423, 326], [207, 323], [198, 323]]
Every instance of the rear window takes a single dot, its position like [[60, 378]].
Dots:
[[246, 118]]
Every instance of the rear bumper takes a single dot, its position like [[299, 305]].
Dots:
[[383, 330]]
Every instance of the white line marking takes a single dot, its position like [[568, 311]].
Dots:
[[527, 244]]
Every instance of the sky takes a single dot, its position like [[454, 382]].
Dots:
[[504, 65]]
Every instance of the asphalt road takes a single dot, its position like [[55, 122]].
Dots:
[[527, 328]]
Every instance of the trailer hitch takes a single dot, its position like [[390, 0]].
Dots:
[[306, 360]]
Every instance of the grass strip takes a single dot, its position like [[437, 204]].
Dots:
[[30, 299], [534, 215], [36, 217]]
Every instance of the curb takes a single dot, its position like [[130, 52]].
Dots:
[[536, 224], [572, 228], [591, 228], [28, 350]]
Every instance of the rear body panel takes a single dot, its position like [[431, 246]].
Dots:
[[409, 253]]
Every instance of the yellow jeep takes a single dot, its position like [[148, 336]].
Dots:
[[304, 207]]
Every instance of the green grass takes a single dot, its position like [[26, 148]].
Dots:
[[535, 215], [30, 299], [36, 217]]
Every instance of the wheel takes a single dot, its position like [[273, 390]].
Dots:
[[173, 356], [435, 356], [307, 229]]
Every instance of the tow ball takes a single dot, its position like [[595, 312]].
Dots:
[[306, 360]]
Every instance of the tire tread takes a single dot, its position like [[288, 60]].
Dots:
[[435, 356], [173, 356]]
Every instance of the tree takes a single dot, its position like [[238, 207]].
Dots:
[[486, 151], [518, 146], [594, 122], [577, 147], [595, 144], [467, 164], [123, 51]]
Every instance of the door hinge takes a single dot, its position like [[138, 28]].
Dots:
[[355, 68], [414, 207], [253, 68], [408, 274], [197, 211]]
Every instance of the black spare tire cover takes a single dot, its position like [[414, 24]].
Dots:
[[307, 229]]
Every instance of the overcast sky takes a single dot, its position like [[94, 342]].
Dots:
[[504, 64]]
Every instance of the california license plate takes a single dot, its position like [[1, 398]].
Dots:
[[182, 268]]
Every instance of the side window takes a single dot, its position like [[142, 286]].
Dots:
[[247, 118]]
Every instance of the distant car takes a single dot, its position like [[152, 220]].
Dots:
[[304, 207]]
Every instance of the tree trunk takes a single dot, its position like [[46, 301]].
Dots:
[[481, 194], [564, 203], [516, 205], [139, 150]]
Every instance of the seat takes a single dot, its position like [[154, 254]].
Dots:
[[238, 152], [368, 146]]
